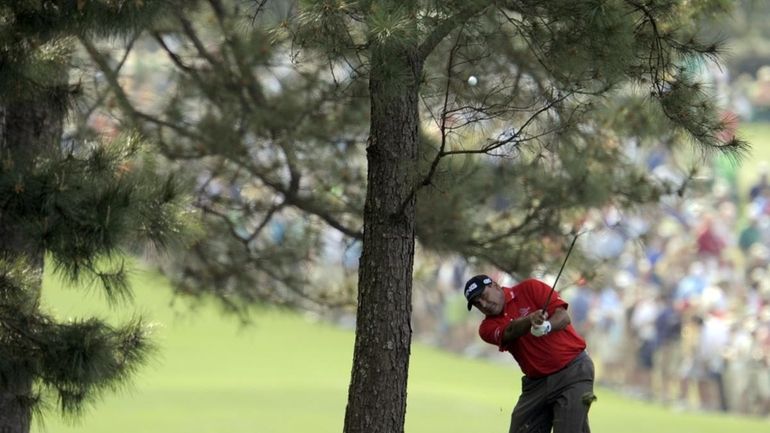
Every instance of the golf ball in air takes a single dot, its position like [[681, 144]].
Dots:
[[472, 80]]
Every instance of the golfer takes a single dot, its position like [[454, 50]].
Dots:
[[557, 387]]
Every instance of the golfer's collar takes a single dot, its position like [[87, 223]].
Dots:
[[509, 294]]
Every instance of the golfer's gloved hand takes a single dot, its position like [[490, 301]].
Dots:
[[540, 330]]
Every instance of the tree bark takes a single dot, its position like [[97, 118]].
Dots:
[[377, 393], [28, 128]]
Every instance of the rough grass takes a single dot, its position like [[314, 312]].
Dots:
[[288, 374], [758, 136]]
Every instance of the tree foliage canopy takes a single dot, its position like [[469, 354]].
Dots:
[[269, 104], [85, 203]]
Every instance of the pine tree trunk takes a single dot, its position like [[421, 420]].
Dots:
[[377, 393], [27, 128]]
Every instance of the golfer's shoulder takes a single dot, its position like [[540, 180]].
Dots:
[[491, 327], [531, 284]]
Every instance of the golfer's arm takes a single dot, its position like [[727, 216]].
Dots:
[[516, 329], [559, 320], [519, 327]]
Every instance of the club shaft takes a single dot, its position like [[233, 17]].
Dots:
[[553, 287]]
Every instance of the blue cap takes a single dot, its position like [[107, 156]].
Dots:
[[475, 287]]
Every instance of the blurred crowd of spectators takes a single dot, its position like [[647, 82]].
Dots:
[[681, 313], [685, 318]]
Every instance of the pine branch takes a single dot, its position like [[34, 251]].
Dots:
[[518, 137], [467, 11], [442, 127], [246, 75], [195, 73], [249, 267], [532, 213], [657, 61], [257, 10], [102, 95], [124, 102], [110, 74], [533, 48], [290, 193], [307, 204]]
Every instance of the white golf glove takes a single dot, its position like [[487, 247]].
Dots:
[[540, 330]]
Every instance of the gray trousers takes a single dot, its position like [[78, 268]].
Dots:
[[560, 400]]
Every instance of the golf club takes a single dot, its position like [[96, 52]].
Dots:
[[553, 287]]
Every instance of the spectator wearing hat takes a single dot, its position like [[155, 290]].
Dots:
[[557, 387]]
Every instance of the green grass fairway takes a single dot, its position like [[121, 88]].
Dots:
[[289, 374]]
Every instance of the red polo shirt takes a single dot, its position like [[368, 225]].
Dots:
[[537, 356]]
